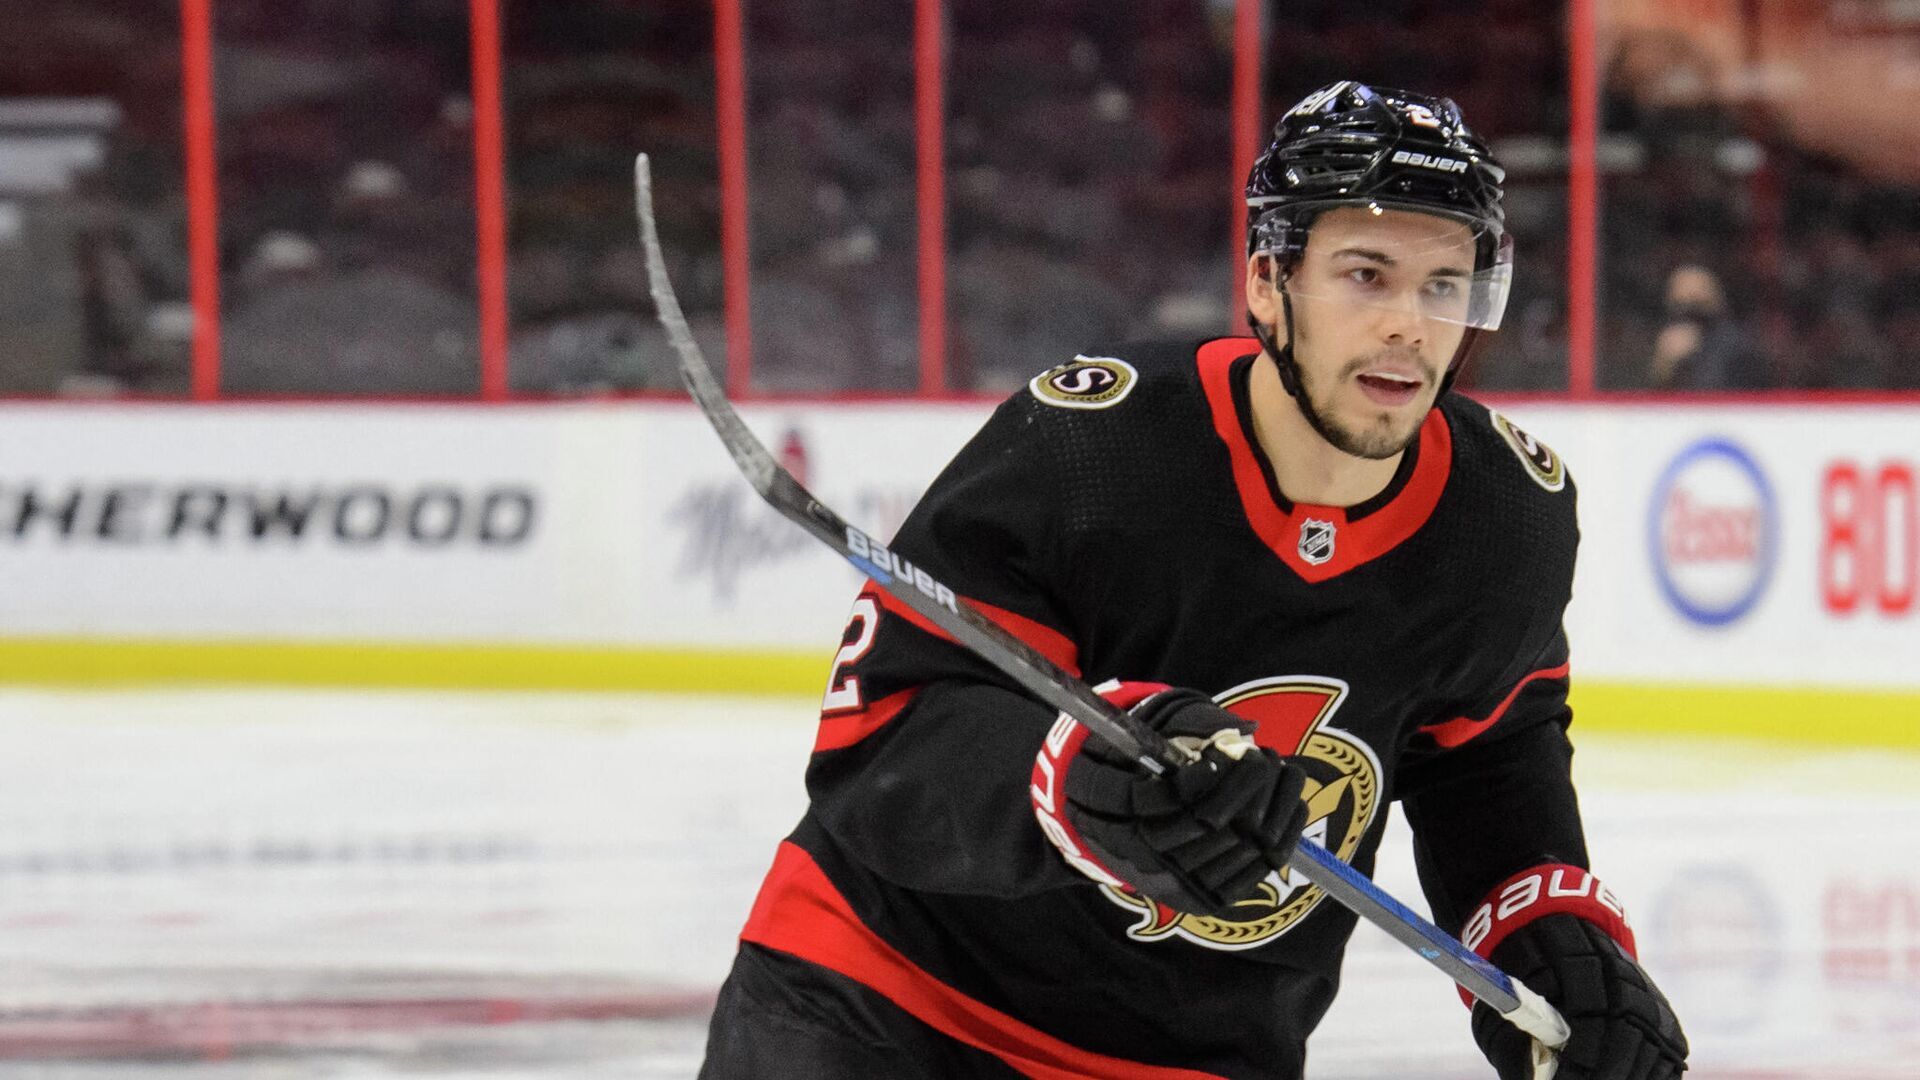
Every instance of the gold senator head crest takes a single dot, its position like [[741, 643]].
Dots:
[[1342, 795]]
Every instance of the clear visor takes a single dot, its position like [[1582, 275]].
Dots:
[[1379, 259]]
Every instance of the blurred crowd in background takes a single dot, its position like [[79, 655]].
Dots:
[[1088, 153]]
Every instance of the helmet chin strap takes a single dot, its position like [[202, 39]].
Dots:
[[1283, 359]]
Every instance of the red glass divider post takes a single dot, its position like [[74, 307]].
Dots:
[[1248, 104], [930, 135], [1583, 197], [730, 118], [489, 197], [203, 193]]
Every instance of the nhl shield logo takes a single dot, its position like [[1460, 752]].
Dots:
[[1316, 541]]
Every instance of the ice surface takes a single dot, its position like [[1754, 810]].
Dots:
[[219, 859]]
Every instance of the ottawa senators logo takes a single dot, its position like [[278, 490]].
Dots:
[[1542, 463], [1342, 796], [1089, 382]]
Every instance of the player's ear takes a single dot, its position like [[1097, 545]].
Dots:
[[1263, 292]]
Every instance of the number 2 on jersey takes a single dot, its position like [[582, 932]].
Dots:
[[843, 692]]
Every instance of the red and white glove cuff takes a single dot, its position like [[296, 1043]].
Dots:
[[1048, 789], [1539, 891]]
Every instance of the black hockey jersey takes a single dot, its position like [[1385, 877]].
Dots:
[[1120, 517]]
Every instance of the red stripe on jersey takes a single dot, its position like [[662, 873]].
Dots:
[[799, 911], [1455, 732], [842, 730], [1354, 542], [1040, 637]]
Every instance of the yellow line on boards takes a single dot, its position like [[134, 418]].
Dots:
[[122, 663], [1821, 716], [1824, 716]]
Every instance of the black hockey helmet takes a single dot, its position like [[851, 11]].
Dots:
[[1349, 144]]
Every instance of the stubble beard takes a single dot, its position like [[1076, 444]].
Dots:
[[1378, 440]]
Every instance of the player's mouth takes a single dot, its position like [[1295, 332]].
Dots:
[[1390, 389]]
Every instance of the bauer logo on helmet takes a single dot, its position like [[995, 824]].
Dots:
[[1428, 161]]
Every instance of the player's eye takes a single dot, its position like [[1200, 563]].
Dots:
[[1364, 275], [1443, 288]]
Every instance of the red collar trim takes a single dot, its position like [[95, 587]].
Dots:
[[1354, 542]]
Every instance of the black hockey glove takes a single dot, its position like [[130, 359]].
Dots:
[[1622, 1026], [1199, 838]]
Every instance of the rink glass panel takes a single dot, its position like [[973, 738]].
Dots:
[[1759, 212], [346, 199], [93, 269], [1756, 218]]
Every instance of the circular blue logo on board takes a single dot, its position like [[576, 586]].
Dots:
[[1722, 940], [1713, 532]]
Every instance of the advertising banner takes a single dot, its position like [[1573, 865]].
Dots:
[[614, 526], [1759, 547], [1766, 546]]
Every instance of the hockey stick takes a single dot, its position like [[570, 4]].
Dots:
[[1041, 676]]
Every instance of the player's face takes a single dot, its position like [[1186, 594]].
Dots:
[[1379, 298]]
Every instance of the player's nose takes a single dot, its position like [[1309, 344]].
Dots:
[[1400, 326]]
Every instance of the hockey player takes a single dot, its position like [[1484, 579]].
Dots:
[[1297, 555]]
